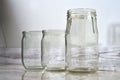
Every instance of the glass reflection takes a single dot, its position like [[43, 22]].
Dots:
[[109, 75], [32, 75], [50, 75], [62, 75], [82, 76]]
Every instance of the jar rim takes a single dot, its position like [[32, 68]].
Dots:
[[53, 31], [33, 31], [82, 11]]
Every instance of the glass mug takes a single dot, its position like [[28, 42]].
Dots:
[[82, 40], [53, 49], [31, 50]]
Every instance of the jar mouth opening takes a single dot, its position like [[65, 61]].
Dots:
[[82, 11], [53, 31], [32, 31]]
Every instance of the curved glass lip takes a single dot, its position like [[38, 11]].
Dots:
[[81, 10], [54, 31], [33, 31]]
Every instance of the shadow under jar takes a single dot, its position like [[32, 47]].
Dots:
[[82, 40], [53, 49], [31, 50]]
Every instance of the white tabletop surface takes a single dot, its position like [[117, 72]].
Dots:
[[16, 72]]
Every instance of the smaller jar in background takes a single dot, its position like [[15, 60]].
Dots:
[[31, 50], [53, 49]]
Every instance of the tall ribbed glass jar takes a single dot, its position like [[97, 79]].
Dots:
[[31, 50], [82, 40], [53, 49]]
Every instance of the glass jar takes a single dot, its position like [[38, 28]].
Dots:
[[53, 48], [82, 40], [31, 50]]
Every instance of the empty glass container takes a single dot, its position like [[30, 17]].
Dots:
[[53, 49], [31, 50], [82, 40]]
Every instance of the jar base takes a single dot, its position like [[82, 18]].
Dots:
[[56, 68], [82, 69], [34, 68]]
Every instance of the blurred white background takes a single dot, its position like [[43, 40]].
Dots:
[[26, 15]]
